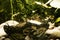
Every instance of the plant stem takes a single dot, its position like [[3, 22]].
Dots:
[[11, 9]]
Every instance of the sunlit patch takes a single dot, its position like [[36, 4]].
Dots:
[[55, 3], [34, 22], [10, 23], [2, 32], [38, 2], [55, 32], [7, 23], [51, 25]]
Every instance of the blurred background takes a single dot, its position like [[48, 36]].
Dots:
[[21, 10]]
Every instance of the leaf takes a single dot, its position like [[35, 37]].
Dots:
[[58, 19], [21, 6], [29, 1]]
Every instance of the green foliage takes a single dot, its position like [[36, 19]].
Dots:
[[21, 10], [25, 9], [57, 20], [31, 2]]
